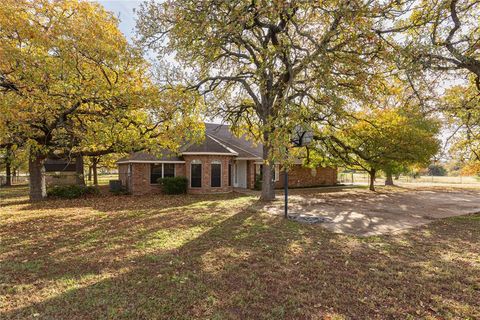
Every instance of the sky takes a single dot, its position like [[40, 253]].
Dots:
[[124, 10]]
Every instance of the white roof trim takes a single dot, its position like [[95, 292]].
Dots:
[[243, 149], [247, 158], [261, 162], [209, 153], [149, 161], [223, 145]]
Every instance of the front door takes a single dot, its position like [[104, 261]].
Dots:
[[240, 174]]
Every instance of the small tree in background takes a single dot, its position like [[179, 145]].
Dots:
[[381, 139], [436, 170]]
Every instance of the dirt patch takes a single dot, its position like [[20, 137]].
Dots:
[[364, 213]]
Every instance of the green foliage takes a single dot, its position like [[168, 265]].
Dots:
[[461, 108], [174, 185], [436, 170], [70, 83], [389, 136], [258, 182], [71, 191]]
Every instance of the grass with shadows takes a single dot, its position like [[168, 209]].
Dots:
[[221, 257]]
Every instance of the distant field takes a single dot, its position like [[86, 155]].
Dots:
[[103, 179], [362, 178]]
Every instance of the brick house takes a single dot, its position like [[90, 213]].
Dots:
[[217, 165]]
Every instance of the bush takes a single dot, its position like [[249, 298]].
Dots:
[[71, 191], [436, 170], [258, 182], [119, 191], [173, 185], [92, 190]]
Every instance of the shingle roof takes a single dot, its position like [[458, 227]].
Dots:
[[209, 145], [218, 140], [245, 148], [144, 156]]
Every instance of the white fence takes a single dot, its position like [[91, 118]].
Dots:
[[363, 178], [16, 180]]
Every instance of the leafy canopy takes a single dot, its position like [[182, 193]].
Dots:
[[71, 84]]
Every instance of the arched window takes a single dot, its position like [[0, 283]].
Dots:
[[216, 174], [196, 174]]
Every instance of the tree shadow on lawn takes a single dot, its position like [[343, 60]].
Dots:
[[116, 224], [245, 264]]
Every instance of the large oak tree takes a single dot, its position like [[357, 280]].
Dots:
[[72, 86], [269, 66]]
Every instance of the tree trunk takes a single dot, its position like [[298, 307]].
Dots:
[[38, 189], [389, 179], [95, 175], [372, 179], [8, 166], [79, 168], [268, 185], [90, 173]]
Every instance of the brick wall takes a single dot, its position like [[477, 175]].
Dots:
[[206, 161], [123, 175], [299, 176], [180, 170], [139, 182]]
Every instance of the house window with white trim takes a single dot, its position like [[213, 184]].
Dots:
[[161, 170], [216, 174], [276, 171], [168, 170], [156, 172], [196, 174]]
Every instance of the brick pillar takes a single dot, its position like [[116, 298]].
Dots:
[[250, 174]]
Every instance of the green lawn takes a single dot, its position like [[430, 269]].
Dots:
[[220, 257]]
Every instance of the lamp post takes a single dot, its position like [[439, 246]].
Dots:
[[300, 138], [286, 191]]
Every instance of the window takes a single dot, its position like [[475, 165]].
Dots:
[[155, 172], [161, 170], [229, 174], [168, 170], [276, 172], [275, 168], [216, 175], [196, 175], [235, 167]]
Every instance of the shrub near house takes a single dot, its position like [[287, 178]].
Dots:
[[71, 191], [173, 185]]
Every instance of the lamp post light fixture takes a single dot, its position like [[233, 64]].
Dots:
[[300, 138]]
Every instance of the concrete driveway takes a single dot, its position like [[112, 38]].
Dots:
[[364, 213]]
